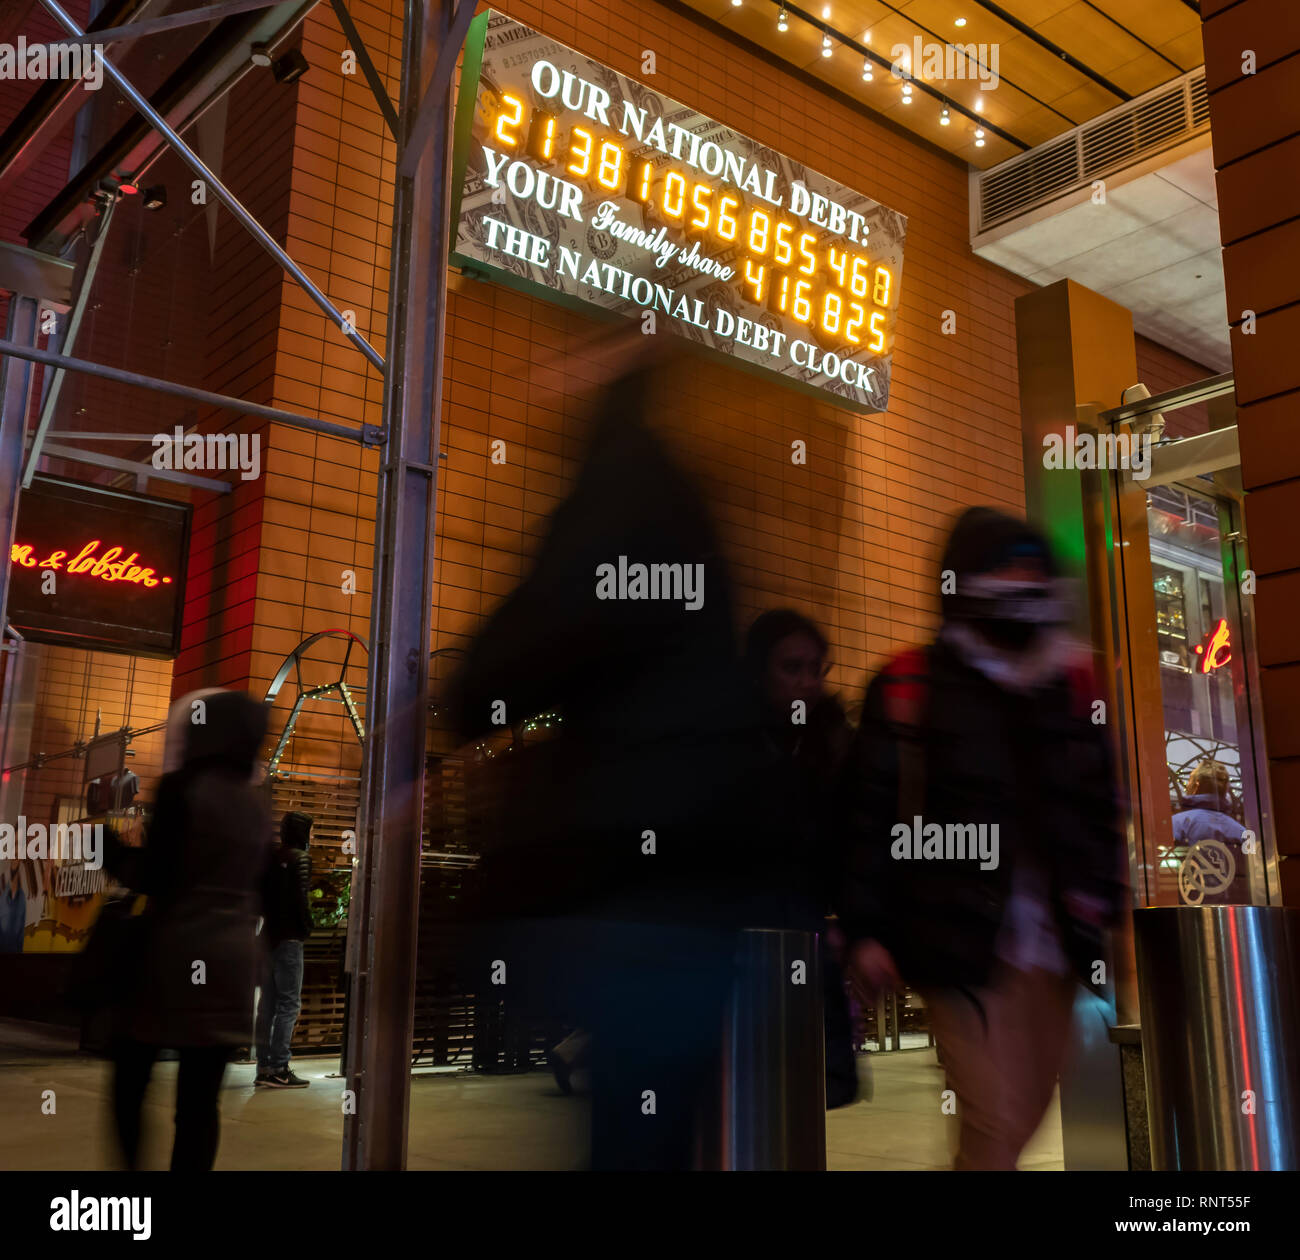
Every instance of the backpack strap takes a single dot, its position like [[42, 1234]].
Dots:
[[906, 692]]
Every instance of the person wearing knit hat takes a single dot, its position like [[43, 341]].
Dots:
[[987, 854]]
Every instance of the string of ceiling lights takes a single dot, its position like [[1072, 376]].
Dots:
[[871, 61]]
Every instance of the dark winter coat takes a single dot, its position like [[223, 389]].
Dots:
[[659, 733], [1033, 764], [207, 849], [286, 900]]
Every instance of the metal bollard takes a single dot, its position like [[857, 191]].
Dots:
[[1220, 994], [773, 1086]]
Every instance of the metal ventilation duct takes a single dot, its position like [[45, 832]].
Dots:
[[1134, 131]]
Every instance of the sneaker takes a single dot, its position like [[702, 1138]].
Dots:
[[262, 1080], [286, 1080]]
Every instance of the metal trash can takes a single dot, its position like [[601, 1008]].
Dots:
[[773, 1080], [1220, 994]]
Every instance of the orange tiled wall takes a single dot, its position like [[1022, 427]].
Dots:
[[1256, 119]]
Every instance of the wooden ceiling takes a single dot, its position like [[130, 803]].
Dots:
[[1058, 63]]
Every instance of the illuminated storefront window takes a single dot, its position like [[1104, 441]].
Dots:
[[1217, 855]]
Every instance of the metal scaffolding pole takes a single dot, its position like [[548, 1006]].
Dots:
[[68, 341], [221, 192], [384, 926], [368, 435], [15, 398]]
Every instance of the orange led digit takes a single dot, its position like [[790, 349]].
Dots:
[[883, 281], [832, 312], [809, 265], [512, 114], [855, 322], [580, 152], [778, 298], [858, 283], [674, 199], [609, 170], [838, 263], [782, 252], [726, 222], [638, 185], [759, 245], [801, 309], [877, 342], [541, 137], [756, 276], [706, 209]]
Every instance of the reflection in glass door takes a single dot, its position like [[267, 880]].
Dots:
[[1217, 854]]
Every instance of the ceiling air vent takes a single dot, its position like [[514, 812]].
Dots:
[[1136, 130]]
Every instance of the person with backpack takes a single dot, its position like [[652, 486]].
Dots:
[[987, 854], [287, 923]]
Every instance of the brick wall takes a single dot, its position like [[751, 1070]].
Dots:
[[1256, 122]]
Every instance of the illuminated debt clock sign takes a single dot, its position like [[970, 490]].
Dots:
[[586, 184]]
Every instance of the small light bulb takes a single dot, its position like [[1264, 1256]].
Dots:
[[944, 121], [907, 100], [735, 4], [979, 104], [826, 45], [826, 10], [866, 72], [979, 144], [979, 133], [907, 89], [961, 21], [782, 22]]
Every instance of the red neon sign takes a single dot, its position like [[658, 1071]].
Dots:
[[1218, 653], [109, 567]]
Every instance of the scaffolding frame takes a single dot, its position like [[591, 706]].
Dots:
[[384, 921]]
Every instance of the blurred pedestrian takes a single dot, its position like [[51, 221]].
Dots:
[[201, 869], [610, 887], [806, 739], [287, 923], [987, 852]]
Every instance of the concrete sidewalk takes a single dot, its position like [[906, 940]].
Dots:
[[459, 1120]]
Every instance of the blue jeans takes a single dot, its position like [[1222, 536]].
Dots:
[[277, 1010]]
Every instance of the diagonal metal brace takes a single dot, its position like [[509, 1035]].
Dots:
[[409, 157], [170, 22], [223, 194], [358, 46], [69, 341]]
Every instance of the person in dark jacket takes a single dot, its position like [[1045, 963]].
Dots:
[[207, 847], [1206, 815], [613, 885], [806, 738], [287, 923], [987, 853]]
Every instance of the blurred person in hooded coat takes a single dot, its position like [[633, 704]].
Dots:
[[618, 874], [208, 845]]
